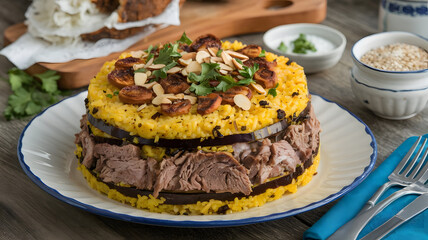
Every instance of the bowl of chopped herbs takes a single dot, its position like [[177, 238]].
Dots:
[[316, 47]]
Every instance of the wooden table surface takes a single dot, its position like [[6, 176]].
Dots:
[[28, 212]]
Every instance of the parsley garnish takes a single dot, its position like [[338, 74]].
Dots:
[[109, 95], [282, 47], [116, 93], [272, 91], [302, 45], [185, 39], [167, 54], [218, 54], [30, 96], [143, 70], [208, 72], [161, 73], [248, 74], [263, 53]]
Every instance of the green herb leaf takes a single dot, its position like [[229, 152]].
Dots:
[[161, 73], [109, 95], [282, 47], [143, 70], [226, 83], [272, 91], [18, 78], [218, 54], [302, 45], [245, 82], [29, 95], [208, 72], [248, 72], [263, 53], [201, 89], [167, 54], [185, 39], [49, 81], [116, 93]]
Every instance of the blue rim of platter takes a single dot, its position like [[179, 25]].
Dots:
[[215, 223]]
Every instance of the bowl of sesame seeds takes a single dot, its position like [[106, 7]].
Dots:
[[390, 74]]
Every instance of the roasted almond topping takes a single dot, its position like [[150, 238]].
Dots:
[[173, 70], [176, 108], [209, 103], [194, 67], [232, 92], [187, 56], [227, 59], [192, 99], [150, 62], [140, 78], [185, 62], [138, 54], [156, 66], [138, 66], [128, 62], [121, 77], [213, 51], [237, 64], [201, 55], [251, 51], [158, 89], [135, 95], [174, 83], [141, 107], [265, 77], [242, 101], [258, 88], [237, 55]]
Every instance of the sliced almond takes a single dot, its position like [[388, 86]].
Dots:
[[187, 91], [217, 59], [240, 77], [158, 89], [213, 51], [184, 72], [140, 78], [156, 66], [161, 100], [242, 101], [149, 85], [194, 67], [172, 96], [149, 73], [225, 67], [192, 99], [237, 64], [138, 66], [173, 70], [150, 62], [180, 95], [201, 55], [237, 55], [227, 59], [223, 72], [137, 54], [207, 59], [258, 88], [185, 62], [190, 55], [141, 107]]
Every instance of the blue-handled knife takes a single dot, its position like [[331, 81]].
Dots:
[[414, 208]]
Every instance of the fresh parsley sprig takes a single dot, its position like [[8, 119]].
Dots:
[[209, 72], [31, 94], [184, 39], [272, 91]]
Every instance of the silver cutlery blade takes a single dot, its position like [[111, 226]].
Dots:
[[414, 208]]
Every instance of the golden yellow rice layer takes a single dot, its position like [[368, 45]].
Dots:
[[200, 208], [192, 125]]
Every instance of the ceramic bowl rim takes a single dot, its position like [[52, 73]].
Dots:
[[338, 49], [386, 71]]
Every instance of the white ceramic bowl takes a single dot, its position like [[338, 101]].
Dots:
[[329, 43], [389, 94]]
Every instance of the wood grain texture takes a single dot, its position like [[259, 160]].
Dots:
[[27, 212], [221, 18]]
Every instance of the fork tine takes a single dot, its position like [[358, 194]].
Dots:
[[425, 169], [410, 168], [407, 157]]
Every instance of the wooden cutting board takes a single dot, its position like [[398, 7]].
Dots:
[[221, 18]]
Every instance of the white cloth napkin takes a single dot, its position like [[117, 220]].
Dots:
[[28, 50]]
